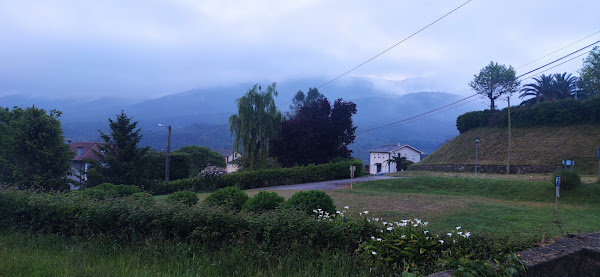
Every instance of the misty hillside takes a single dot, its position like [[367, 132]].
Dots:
[[200, 116]]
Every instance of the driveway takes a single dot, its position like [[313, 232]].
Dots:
[[327, 185]]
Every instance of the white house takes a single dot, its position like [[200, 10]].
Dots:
[[229, 158], [380, 156], [84, 152]]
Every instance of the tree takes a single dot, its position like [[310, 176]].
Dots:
[[541, 90], [254, 125], [33, 153], [564, 85], [301, 99], [121, 160], [400, 162], [495, 80], [316, 134], [201, 157], [590, 75]]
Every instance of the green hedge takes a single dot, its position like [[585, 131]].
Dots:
[[128, 218], [558, 113], [262, 178]]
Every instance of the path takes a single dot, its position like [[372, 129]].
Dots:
[[326, 185]]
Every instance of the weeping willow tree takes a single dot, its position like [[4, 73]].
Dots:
[[254, 125]]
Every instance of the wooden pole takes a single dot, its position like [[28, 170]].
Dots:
[[508, 158], [168, 161]]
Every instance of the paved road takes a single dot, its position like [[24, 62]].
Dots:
[[327, 185]]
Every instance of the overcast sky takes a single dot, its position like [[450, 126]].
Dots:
[[148, 48]]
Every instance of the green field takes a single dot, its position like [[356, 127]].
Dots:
[[512, 213]]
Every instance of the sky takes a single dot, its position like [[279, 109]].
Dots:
[[146, 49]]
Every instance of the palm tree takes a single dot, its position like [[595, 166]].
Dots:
[[542, 90], [564, 85]]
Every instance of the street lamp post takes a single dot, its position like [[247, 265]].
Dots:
[[476, 150], [168, 160]]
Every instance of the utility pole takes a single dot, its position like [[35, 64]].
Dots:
[[168, 161], [508, 158]]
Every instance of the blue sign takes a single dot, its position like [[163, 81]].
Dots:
[[557, 186], [568, 162], [598, 152]]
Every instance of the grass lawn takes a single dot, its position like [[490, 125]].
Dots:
[[495, 207]]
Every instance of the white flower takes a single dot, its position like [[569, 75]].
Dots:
[[404, 220], [441, 241], [425, 232], [453, 241], [458, 228], [402, 224], [381, 231], [425, 223], [378, 239], [467, 234], [403, 236], [377, 219], [338, 212], [418, 220], [368, 220], [319, 210], [314, 211], [360, 213], [366, 212], [427, 238], [372, 237], [374, 253], [390, 228], [449, 234], [460, 233], [415, 225], [384, 223], [346, 207]]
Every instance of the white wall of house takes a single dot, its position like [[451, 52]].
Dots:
[[379, 159], [231, 167]]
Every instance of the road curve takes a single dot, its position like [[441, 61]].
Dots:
[[327, 185]]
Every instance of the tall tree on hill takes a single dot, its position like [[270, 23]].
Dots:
[[121, 160], [590, 75], [33, 153], [315, 134], [254, 125], [541, 90], [494, 81]]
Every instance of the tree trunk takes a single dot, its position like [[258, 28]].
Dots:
[[492, 106]]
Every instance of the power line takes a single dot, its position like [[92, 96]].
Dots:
[[421, 116], [557, 59], [390, 48], [535, 75], [556, 51]]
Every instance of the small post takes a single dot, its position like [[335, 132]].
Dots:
[[476, 150], [556, 199], [352, 169], [598, 155], [168, 161]]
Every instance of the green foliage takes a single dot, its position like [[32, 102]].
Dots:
[[309, 201], [121, 160], [179, 168], [143, 197], [32, 149], [201, 157], [254, 125], [590, 75], [495, 80], [508, 266], [263, 201], [548, 88], [261, 178], [189, 198], [105, 190], [557, 113], [569, 180], [401, 163], [231, 198]]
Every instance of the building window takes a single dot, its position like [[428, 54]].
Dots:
[[79, 151]]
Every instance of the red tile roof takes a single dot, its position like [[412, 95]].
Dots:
[[87, 148]]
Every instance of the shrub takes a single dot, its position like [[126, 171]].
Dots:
[[143, 197], [308, 201], [264, 201], [189, 198], [568, 179], [230, 197]]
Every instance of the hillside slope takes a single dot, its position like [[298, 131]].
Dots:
[[530, 146]]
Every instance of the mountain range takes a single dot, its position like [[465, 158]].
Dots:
[[200, 116]]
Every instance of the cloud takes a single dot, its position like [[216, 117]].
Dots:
[[150, 48]]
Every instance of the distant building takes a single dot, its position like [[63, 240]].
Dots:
[[380, 157], [229, 158], [84, 151]]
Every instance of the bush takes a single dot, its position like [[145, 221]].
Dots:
[[262, 178], [231, 198], [105, 190], [308, 201], [189, 198], [143, 197], [264, 201], [568, 179], [557, 113]]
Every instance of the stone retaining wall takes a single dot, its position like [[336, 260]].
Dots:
[[484, 168]]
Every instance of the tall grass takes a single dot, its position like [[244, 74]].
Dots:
[[51, 255]]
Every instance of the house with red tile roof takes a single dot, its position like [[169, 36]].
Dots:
[[84, 152]]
